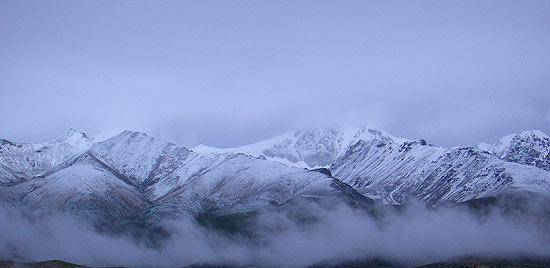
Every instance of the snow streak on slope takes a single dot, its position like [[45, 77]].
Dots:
[[237, 182], [312, 148]]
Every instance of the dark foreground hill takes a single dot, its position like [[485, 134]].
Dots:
[[375, 263]]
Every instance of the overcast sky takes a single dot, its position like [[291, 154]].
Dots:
[[228, 73]]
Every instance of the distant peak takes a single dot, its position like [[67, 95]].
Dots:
[[72, 135], [129, 136], [133, 133], [510, 138], [75, 138], [534, 132], [508, 141], [76, 132]]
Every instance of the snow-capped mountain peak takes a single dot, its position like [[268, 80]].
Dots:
[[134, 154], [75, 138], [530, 147], [309, 148], [23, 161]]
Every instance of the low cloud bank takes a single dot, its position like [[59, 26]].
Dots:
[[415, 236]]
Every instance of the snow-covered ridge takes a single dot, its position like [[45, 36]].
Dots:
[[316, 148], [311, 148], [134, 173], [131, 172], [398, 172]]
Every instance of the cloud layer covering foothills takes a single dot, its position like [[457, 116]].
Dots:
[[229, 73], [416, 236]]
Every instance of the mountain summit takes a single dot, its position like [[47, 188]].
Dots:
[[312, 148], [531, 147], [21, 161]]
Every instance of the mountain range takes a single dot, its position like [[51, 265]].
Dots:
[[381, 166], [133, 173]]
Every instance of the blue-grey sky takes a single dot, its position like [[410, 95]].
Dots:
[[227, 73]]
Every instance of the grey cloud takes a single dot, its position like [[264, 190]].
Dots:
[[226, 74]]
